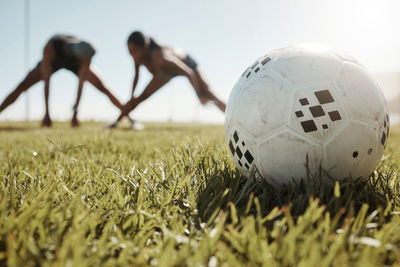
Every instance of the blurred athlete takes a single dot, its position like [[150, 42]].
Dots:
[[164, 63], [68, 52]]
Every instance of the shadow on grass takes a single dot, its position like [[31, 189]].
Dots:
[[346, 197], [17, 128]]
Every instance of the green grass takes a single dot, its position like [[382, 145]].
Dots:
[[170, 196]]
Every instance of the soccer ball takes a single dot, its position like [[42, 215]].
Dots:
[[306, 109]]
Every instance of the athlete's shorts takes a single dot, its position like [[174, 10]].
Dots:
[[82, 50], [191, 62], [69, 55]]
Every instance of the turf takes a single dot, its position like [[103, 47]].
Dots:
[[170, 196]]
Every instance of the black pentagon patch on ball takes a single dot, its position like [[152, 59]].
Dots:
[[265, 60], [239, 152], [244, 72], [299, 114], [235, 136], [308, 126], [324, 97], [383, 139], [231, 148], [317, 111], [303, 101], [334, 115], [248, 156]]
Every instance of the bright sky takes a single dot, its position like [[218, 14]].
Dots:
[[223, 36]]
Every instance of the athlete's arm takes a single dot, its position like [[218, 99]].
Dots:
[[155, 84], [82, 75], [136, 79]]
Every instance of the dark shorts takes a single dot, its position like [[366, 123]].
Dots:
[[191, 62], [69, 55]]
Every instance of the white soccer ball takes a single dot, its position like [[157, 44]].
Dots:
[[306, 107]]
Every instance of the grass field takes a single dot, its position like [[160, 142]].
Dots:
[[170, 196]]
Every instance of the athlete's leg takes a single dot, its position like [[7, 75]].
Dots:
[[74, 120], [95, 80], [46, 70], [32, 78], [46, 120], [206, 93]]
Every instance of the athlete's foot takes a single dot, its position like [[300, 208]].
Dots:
[[132, 122], [46, 121], [75, 122], [113, 125]]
